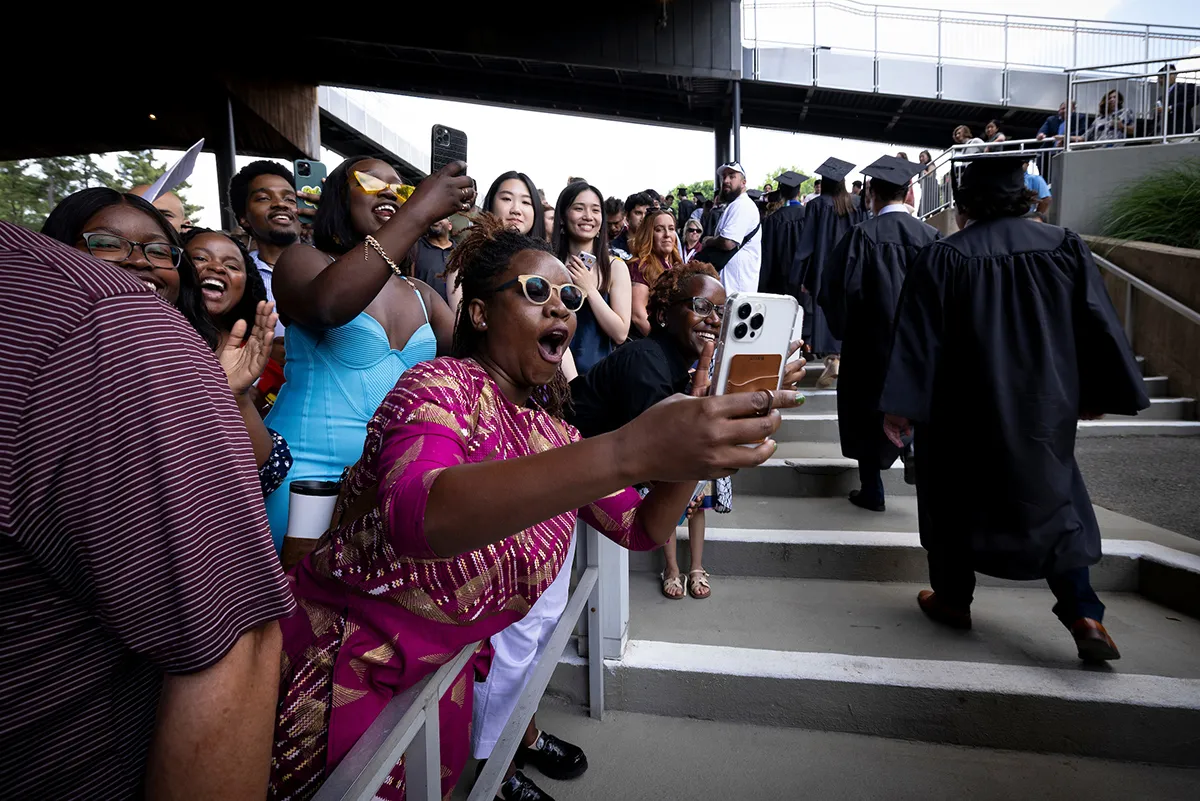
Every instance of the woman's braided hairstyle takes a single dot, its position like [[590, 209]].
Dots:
[[477, 263], [672, 287]]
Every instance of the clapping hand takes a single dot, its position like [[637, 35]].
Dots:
[[243, 364]]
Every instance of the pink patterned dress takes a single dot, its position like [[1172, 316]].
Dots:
[[379, 610]]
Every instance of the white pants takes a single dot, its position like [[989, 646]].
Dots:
[[517, 649]]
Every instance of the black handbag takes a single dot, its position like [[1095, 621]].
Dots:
[[719, 258]]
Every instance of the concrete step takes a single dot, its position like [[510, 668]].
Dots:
[[812, 470], [1164, 409], [808, 427], [706, 759], [824, 401], [860, 657], [818, 401], [1156, 386]]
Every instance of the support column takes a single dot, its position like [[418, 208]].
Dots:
[[737, 121], [722, 141], [226, 163]]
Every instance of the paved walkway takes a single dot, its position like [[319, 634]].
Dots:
[[1155, 479]]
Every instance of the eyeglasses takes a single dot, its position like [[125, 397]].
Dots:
[[373, 186], [110, 247], [537, 290], [704, 307]]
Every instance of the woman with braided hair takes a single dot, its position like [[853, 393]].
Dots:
[[459, 514]]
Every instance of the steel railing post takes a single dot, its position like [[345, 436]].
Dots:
[[875, 51], [939, 56], [814, 43], [1129, 313], [595, 629], [423, 759]]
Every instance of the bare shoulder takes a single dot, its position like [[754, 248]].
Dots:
[[302, 260]]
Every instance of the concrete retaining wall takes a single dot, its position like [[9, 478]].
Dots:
[[1170, 343], [1085, 180]]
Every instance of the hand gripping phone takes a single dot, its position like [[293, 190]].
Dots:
[[753, 348], [309, 177]]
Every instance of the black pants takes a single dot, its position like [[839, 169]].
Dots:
[[954, 582], [871, 480]]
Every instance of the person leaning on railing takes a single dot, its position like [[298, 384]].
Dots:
[[461, 510]]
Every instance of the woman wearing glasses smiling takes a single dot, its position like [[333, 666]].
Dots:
[[355, 320], [460, 513]]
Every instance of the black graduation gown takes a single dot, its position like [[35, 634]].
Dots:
[[780, 244], [859, 292], [823, 229], [1004, 336]]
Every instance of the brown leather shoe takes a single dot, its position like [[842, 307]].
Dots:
[[1093, 641], [954, 617]]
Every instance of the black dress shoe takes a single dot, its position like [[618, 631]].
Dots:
[[518, 788], [556, 759], [865, 502]]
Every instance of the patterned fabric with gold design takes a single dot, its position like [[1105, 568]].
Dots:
[[379, 610]]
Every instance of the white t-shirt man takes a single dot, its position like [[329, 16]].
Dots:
[[740, 218]]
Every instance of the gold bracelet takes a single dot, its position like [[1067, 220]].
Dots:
[[371, 242]]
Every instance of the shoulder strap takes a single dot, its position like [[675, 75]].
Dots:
[[750, 235]]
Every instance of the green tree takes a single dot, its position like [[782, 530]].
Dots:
[[139, 167], [705, 188], [30, 189]]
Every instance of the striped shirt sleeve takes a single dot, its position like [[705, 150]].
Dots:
[[137, 488]]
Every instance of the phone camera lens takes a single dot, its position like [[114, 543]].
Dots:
[[304, 168], [756, 322], [743, 311], [740, 330]]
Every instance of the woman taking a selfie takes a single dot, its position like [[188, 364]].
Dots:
[[355, 321], [581, 243], [655, 251], [461, 510]]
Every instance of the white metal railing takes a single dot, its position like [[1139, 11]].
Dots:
[[970, 38], [409, 725], [1132, 284], [1040, 151], [1137, 114]]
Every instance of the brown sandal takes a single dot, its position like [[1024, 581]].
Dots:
[[698, 586]]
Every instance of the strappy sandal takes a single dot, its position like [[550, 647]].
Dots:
[[677, 584], [698, 580]]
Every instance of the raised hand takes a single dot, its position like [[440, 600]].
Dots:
[[793, 374], [701, 382], [243, 364], [448, 191]]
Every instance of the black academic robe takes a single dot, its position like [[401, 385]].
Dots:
[[686, 207], [1004, 337], [859, 292], [780, 244], [823, 229]]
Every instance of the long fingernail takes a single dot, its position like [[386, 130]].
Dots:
[[774, 446]]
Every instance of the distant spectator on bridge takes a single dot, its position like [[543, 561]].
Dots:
[[636, 206], [963, 136], [1181, 100], [781, 238], [929, 185], [739, 233], [911, 198], [827, 219], [858, 295], [1056, 124], [1033, 293], [1041, 190], [141, 588], [992, 136], [1114, 122]]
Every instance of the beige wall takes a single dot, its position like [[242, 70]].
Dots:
[[1169, 341]]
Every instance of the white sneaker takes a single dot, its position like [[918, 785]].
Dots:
[[829, 376]]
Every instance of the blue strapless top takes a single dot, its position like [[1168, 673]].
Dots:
[[336, 379]]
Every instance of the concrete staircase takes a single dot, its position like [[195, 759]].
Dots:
[[813, 625]]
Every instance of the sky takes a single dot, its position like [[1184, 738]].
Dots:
[[623, 157]]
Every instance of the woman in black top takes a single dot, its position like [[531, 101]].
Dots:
[[685, 308]]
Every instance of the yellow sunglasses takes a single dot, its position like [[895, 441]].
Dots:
[[373, 186]]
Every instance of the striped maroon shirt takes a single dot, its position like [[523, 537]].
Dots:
[[133, 540]]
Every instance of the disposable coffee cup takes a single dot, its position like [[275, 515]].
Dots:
[[309, 512]]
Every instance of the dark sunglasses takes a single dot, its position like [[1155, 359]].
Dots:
[[705, 307], [110, 247], [538, 290]]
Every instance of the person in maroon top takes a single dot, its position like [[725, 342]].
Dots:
[[139, 588], [655, 250]]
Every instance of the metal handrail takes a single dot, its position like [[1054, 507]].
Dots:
[[1130, 64], [1132, 282], [409, 725], [1036, 148]]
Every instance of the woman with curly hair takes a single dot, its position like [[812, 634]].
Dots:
[[655, 250], [686, 305], [460, 513]]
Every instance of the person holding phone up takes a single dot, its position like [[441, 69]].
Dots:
[[356, 322], [581, 243]]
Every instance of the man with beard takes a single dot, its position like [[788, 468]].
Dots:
[[1004, 337], [263, 199], [430, 254], [740, 230], [858, 293]]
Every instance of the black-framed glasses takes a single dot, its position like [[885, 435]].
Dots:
[[537, 290], [110, 247], [704, 307]]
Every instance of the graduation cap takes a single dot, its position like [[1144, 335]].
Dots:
[[835, 169], [1000, 172], [892, 170], [755, 194], [791, 179]]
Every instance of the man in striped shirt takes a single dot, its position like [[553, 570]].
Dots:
[[138, 585]]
